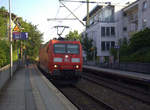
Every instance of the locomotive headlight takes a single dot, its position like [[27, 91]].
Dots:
[[77, 66], [57, 59], [55, 66], [75, 60], [66, 56]]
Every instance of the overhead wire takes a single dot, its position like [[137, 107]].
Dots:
[[57, 12], [79, 6]]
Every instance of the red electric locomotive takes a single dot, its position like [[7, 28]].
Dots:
[[61, 59]]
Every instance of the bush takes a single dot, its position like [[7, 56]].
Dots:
[[138, 49], [3, 59], [4, 53], [142, 55], [140, 40]]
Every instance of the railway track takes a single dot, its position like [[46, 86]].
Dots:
[[138, 93], [83, 100], [91, 93]]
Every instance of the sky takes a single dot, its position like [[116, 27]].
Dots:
[[38, 11]]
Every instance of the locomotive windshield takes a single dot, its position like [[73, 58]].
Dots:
[[66, 48], [59, 48]]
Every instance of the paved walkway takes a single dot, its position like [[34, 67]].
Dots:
[[17, 94], [30, 90]]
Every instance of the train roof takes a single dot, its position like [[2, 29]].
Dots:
[[65, 41], [59, 41]]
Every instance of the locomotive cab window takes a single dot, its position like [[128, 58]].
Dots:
[[59, 48], [66, 48], [73, 48]]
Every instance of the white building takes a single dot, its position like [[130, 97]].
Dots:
[[144, 14], [103, 29], [110, 23], [128, 22], [135, 17]]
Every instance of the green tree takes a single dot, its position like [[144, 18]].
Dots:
[[34, 41], [73, 36], [140, 40], [123, 50], [4, 53], [3, 22], [88, 47], [31, 45], [138, 49]]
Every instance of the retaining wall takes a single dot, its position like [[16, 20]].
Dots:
[[5, 74]]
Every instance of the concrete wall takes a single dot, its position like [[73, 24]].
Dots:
[[5, 74]]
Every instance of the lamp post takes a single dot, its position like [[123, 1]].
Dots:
[[118, 56], [10, 37]]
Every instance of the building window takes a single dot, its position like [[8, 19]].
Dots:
[[144, 5], [124, 14], [107, 45], [113, 31], [124, 28], [112, 44], [103, 46], [107, 31], [103, 31], [144, 23], [107, 14]]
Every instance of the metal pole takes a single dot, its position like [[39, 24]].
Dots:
[[118, 57], [94, 56], [10, 37], [87, 19]]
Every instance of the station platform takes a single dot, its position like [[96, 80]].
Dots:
[[30, 90], [132, 75]]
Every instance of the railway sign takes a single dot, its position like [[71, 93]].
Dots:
[[16, 35], [117, 47], [24, 35], [16, 28], [20, 35]]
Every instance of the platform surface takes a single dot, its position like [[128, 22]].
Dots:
[[133, 75], [30, 90]]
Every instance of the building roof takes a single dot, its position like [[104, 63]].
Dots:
[[131, 5], [94, 10]]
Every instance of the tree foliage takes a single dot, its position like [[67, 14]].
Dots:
[[88, 47], [31, 45], [3, 23], [73, 36], [140, 40], [138, 49]]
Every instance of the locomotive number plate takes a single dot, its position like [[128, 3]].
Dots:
[[66, 60]]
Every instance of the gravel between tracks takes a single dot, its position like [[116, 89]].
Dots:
[[82, 101], [113, 98]]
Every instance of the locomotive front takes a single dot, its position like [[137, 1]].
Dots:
[[66, 59]]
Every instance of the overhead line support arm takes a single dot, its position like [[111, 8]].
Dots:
[[72, 13]]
